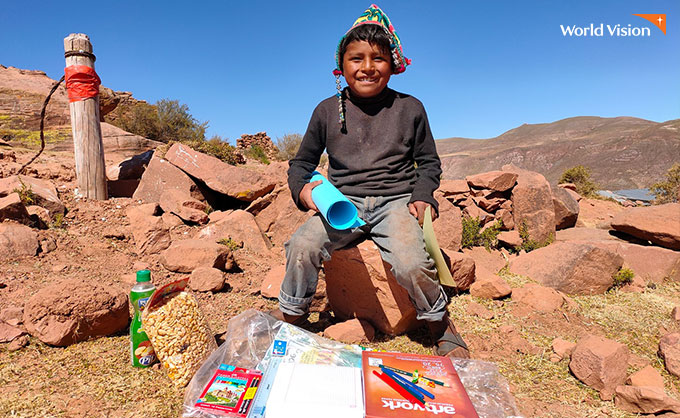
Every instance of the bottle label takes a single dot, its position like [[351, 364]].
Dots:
[[144, 353], [141, 303]]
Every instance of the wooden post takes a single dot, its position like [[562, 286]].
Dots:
[[87, 132]]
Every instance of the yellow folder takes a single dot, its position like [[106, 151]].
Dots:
[[432, 248]]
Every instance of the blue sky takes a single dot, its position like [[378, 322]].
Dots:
[[480, 68]]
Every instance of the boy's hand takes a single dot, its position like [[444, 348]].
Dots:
[[306, 195], [417, 209]]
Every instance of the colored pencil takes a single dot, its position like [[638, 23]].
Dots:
[[412, 385], [400, 389], [394, 369], [244, 407]]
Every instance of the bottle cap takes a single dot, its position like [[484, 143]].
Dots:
[[143, 276]]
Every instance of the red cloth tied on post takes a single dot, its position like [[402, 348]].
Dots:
[[82, 82]]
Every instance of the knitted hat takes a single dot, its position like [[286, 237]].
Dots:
[[373, 16]]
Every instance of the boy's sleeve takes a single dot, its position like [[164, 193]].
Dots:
[[428, 170], [308, 156]]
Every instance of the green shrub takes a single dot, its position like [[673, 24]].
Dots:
[[472, 237], [580, 177], [288, 145], [230, 243], [257, 153], [667, 191], [623, 277], [58, 221], [529, 244], [25, 193]]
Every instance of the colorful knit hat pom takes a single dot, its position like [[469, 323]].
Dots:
[[374, 16]]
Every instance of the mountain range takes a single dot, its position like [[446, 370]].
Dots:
[[621, 152]]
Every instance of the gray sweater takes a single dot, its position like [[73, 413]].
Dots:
[[386, 135]]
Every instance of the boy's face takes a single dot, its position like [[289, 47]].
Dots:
[[366, 68]]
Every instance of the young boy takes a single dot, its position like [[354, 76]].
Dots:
[[373, 136]]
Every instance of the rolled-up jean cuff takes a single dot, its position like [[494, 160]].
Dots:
[[437, 312], [293, 306]]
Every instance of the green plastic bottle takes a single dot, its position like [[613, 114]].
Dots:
[[141, 350]]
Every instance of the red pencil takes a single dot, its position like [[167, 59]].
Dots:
[[394, 385]]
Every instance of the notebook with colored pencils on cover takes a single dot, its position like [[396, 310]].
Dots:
[[404, 385]]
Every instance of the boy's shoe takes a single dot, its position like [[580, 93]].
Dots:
[[448, 341], [297, 320]]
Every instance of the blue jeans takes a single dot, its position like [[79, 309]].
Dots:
[[398, 237]]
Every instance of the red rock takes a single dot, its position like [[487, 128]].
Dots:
[[532, 204], [187, 255], [658, 224], [539, 298], [12, 208], [236, 182], [494, 180], [488, 285], [490, 202], [75, 310], [645, 400], [567, 186], [170, 220], [239, 226], [647, 376], [448, 228], [18, 343], [462, 268], [282, 218], [259, 204], [581, 233], [206, 279], [183, 205], [218, 215], [354, 331], [453, 187], [17, 240], [595, 213], [271, 285], [566, 208], [149, 232], [373, 294], [39, 215], [474, 308], [160, 176], [9, 333], [600, 363], [563, 348], [44, 192], [131, 168], [505, 216], [651, 264], [637, 285], [491, 260], [570, 267], [12, 316], [675, 314], [473, 211], [509, 239], [669, 351]]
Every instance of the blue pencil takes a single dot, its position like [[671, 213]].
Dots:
[[411, 385], [406, 387]]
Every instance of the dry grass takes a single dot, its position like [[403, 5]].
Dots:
[[96, 377]]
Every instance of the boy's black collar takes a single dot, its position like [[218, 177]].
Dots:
[[387, 92]]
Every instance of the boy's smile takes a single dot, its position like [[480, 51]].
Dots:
[[367, 68]]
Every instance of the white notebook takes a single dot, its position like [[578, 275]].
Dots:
[[315, 390]]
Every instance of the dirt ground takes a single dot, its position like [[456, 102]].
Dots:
[[95, 378]]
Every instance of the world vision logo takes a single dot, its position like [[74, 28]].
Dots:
[[618, 30]]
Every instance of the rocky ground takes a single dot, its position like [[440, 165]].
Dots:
[[570, 341]]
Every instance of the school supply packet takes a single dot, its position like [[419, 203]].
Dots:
[[230, 391], [404, 385]]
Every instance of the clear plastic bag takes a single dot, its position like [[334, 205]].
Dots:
[[250, 335]]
